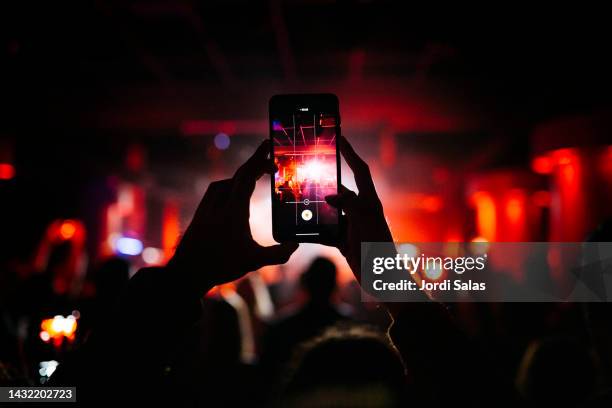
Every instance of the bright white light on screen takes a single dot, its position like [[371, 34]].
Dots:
[[128, 246], [313, 170]]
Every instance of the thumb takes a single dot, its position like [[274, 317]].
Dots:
[[346, 200], [276, 254]]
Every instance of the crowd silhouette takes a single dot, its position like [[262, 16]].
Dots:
[[156, 340]]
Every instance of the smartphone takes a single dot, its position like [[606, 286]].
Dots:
[[304, 131]]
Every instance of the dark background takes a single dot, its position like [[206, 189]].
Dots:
[[85, 81]]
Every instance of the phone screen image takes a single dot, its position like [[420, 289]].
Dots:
[[304, 151]]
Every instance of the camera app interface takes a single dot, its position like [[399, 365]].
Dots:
[[305, 154]]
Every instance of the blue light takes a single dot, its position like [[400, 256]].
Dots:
[[277, 126], [222, 141], [128, 246]]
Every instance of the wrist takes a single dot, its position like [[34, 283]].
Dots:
[[186, 279]]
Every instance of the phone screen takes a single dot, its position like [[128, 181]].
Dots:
[[304, 134]]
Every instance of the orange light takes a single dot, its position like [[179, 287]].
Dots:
[[432, 203], [67, 230], [568, 171], [58, 328], [479, 245], [7, 171], [542, 165], [514, 210], [227, 288], [564, 156], [486, 219], [170, 228]]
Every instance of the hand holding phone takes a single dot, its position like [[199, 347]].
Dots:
[[364, 215], [218, 246]]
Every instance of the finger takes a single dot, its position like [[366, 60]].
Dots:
[[346, 200], [214, 198], [245, 178], [276, 254], [338, 241], [254, 167], [360, 168]]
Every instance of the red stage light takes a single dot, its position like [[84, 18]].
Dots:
[[486, 218], [67, 230], [7, 171], [565, 156], [541, 198], [514, 209], [170, 228], [432, 203], [135, 158], [542, 165]]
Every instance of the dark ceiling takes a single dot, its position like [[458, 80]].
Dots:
[[150, 65], [92, 77], [84, 80]]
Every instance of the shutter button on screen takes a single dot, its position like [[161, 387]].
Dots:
[[306, 215]]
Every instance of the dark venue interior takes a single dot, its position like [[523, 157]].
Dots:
[[477, 125]]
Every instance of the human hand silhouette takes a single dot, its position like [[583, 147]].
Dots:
[[218, 246], [364, 219]]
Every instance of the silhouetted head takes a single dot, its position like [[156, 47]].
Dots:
[[111, 278], [603, 232], [319, 280], [350, 366], [555, 371]]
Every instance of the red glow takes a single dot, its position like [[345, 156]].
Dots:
[[565, 156], [453, 238], [170, 229], [541, 198], [432, 203], [606, 161], [67, 230], [568, 162], [568, 208], [542, 165], [486, 219], [388, 149], [125, 200], [7, 171], [135, 158], [440, 175], [514, 209]]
